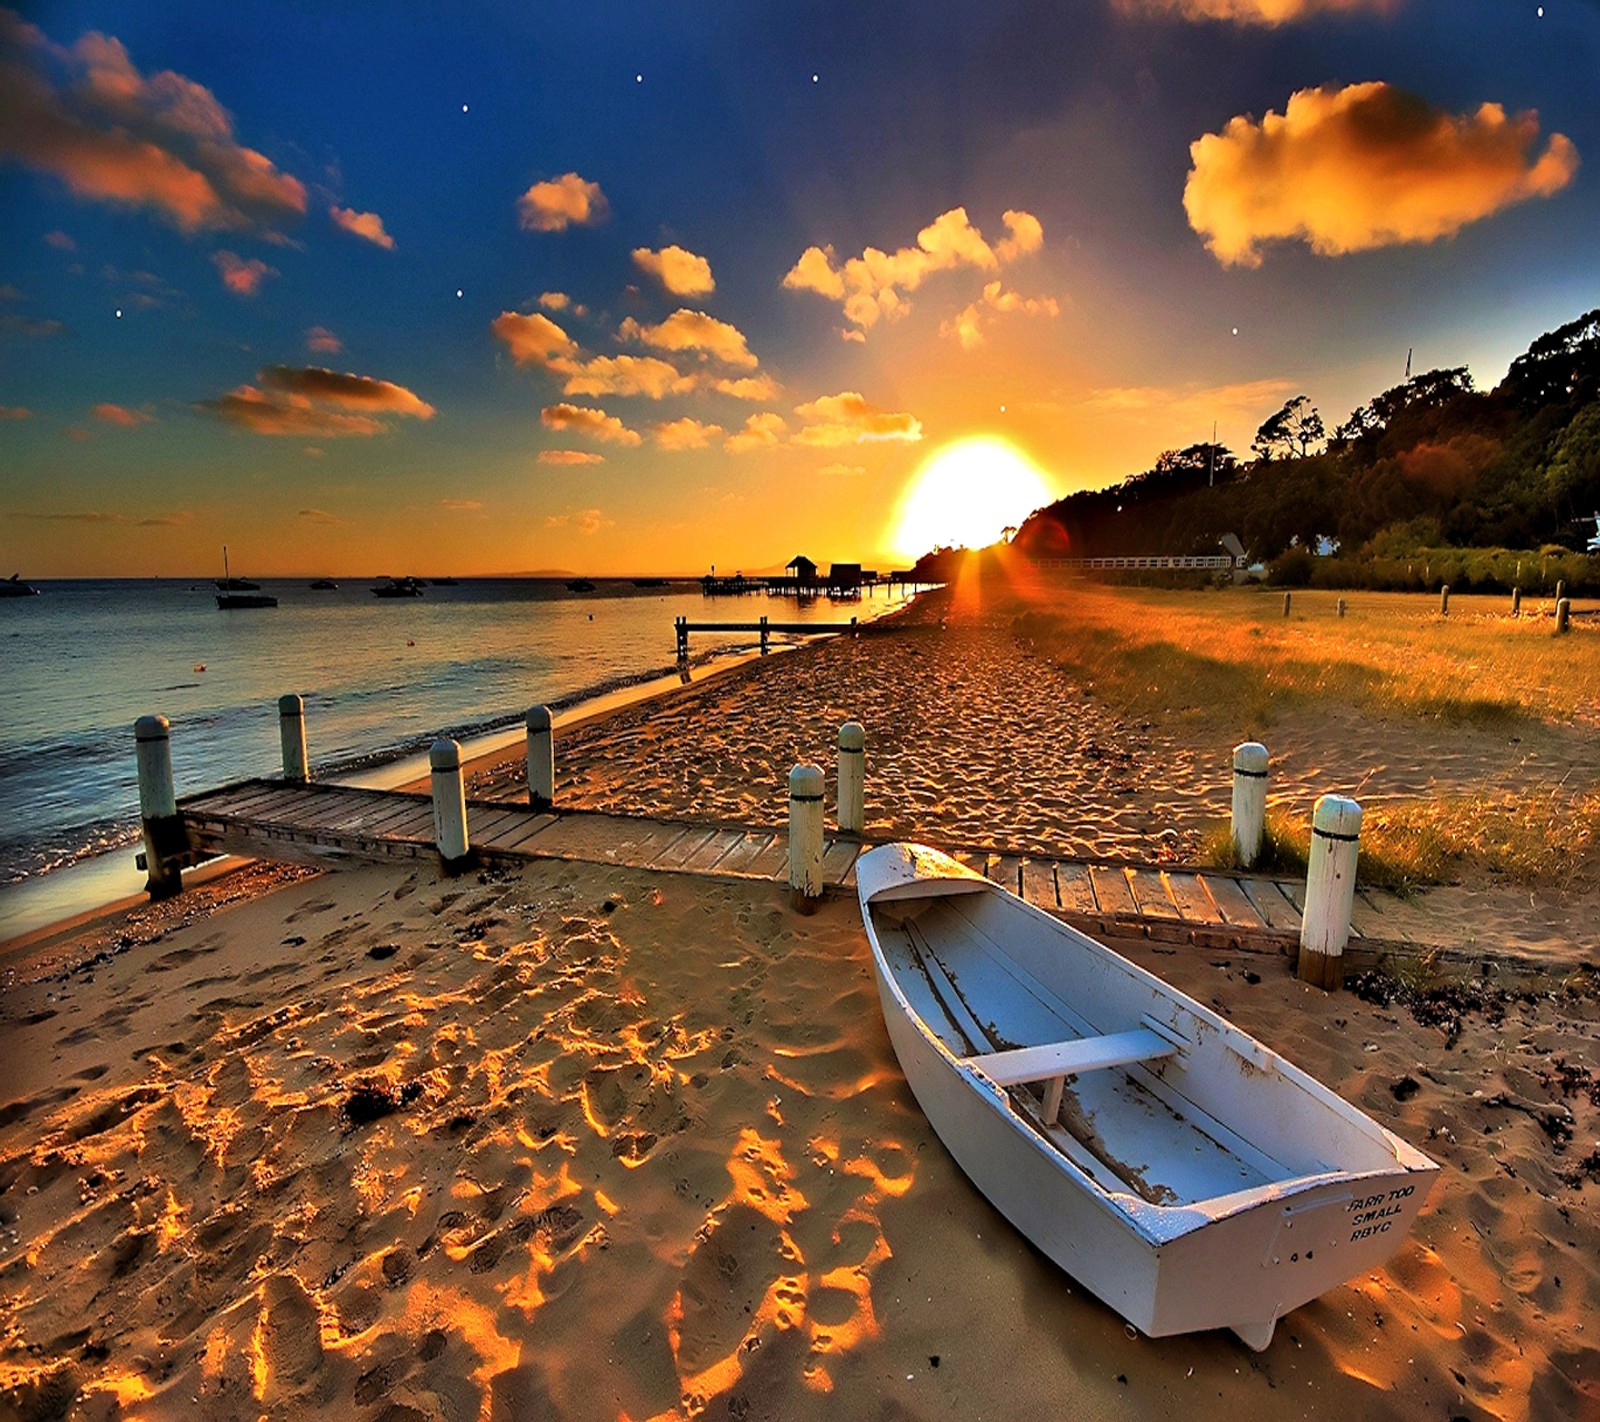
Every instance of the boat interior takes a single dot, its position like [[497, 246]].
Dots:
[[1143, 1091]]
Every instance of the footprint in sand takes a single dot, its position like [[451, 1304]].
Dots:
[[290, 1334]]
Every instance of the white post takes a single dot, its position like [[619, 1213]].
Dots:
[[852, 778], [292, 732], [1516, 602], [1330, 891], [805, 837], [1563, 614], [541, 759], [158, 806], [1561, 588], [1341, 607], [1287, 599], [1444, 600], [1249, 800], [449, 803]]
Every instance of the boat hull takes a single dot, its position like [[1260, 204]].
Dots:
[[1239, 1262]]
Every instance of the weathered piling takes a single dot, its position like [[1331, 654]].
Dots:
[[160, 826], [765, 634], [805, 837], [1444, 600], [1516, 602], [852, 778], [680, 625], [1563, 615], [1561, 588], [1330, 891], [1341, 607], [1249, 800], [449, 805], [1288, 599], [292, 733], [541, 758]]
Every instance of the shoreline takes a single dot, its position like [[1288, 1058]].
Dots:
[[33, 910]]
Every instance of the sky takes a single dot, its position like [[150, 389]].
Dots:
[[645, 287]]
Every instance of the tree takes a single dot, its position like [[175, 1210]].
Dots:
[[1293, 430], [1431, 390]]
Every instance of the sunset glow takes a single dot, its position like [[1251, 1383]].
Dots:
[[966, 495]]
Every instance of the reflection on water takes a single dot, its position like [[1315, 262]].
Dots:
[[379, 676]]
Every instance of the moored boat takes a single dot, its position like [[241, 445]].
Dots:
[[399, 587], [237, 593], [580, 585], [1184, 1173], [15, 587], [324, 585]]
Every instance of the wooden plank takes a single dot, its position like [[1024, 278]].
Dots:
[[838, 859], [773, 861], [361, 806], [1112, 892], [379, 824], [484, 825], [1271, 904], [1006, 871], [705, 860], [1231, 902], [1039, 883], [751, 847], [230, 801], [1053, 1059], [241, 803], [515, 837], [417, 825], [283, 806], [1075, 888], [380, 809], [321, 811], [683, 849], [1150, 893], [1194, 904]]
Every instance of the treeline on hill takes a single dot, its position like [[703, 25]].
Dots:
[[1432, 481]]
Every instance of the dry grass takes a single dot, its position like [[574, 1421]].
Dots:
[[1547, 840], [1233, 655]]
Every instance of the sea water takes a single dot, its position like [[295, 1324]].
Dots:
[[380, 677]]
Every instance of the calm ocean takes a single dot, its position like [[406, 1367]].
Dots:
[[380, 677]]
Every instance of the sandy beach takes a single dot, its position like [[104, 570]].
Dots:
[[588, 1142]]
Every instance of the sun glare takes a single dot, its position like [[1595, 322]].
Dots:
[[967, 494]]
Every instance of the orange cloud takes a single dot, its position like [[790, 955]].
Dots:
[[873, 285], [687, 330], [60, 241], [15, 412], [533, 340], [759, 388], [584, 419], [367, 225], [680, 271], [570, 456], [121, 416], [841, 470], [626, 375], [537, 340], [461, 505], [243, 277], [321, 516], [559, 203], [849, 418], [322, 340], [308, 401], [967, 326], [1346, 170], [84, 114], [762, 431], [686, 433], [1248, 12], [555, 300], [585, 521]]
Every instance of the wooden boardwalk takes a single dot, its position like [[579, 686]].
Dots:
[[323, 824]]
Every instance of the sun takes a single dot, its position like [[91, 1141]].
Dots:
[[967, 494]]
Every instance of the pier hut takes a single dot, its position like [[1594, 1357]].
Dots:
[[844, 582], [802, 570]]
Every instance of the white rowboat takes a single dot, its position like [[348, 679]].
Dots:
[[1181, 1171]]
